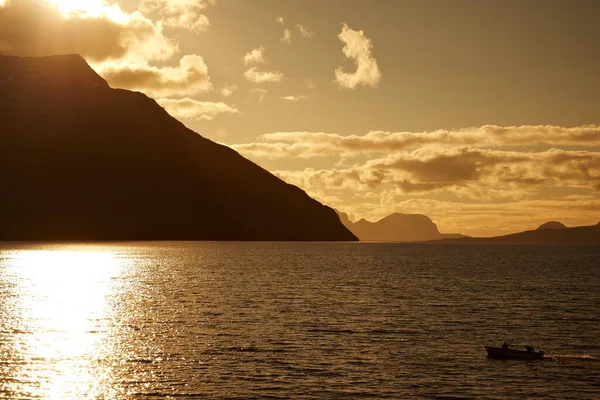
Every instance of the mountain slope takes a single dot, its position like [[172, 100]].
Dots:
[[82, 161]]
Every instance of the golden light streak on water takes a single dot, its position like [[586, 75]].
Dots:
[[63, 302]]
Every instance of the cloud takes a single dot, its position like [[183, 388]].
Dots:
[[474, 170], [485, 164], [320, 144], [255, 56], [280, 150], [305, 33], [294, 98], [185, 14], [263, 76], [227, 89], [358, 48], [259, 93], [102, 32], [324, 180], [120, 46], [195, 110], [429, 169], [541, 135], [188, 78], [309, 83], [505, 176], [287, 36], [287, 33]]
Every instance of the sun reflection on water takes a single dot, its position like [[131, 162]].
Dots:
[[63, 303]]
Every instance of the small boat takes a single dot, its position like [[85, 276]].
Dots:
[[506, 353]]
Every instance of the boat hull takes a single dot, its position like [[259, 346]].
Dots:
[[511, 354]]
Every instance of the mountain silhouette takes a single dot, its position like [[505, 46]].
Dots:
[[581, 235], [552, 225], [396, 228], [82, 161]]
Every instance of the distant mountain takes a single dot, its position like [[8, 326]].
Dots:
[[582, 235], [453, 235], [82, 161], [552, 225], [344, 219], [396, 228]]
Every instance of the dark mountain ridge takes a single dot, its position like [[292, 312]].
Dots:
[[82, 161], [552, 225], [581, 235]]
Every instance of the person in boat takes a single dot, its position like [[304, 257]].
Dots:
[[504, 346], [529, 349]]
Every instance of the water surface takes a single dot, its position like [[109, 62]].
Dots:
[[296, 320]]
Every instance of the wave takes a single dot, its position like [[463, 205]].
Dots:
[[573, 357]]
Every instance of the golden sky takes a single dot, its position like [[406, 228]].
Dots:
[[483, 115]]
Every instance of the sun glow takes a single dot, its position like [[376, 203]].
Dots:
[[90, 9]]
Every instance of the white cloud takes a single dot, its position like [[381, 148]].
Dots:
[[188, 78], [309, 83], [227, 89], [155, 46], [263, 76], [259, 93], [255, 56], [471, 173], [358, 48], [279, 20], [320, 144], [186, 14], [305, 33], [294, 98], [195, 110], [287, 36]]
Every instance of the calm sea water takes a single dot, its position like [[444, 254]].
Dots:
[[296, 320]]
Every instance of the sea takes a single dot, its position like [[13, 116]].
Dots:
[[262, 320]]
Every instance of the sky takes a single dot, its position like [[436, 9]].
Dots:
[[483, 115]]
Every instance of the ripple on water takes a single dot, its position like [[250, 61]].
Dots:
[[296, 320]]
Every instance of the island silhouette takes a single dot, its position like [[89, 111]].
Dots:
[[550, 233], [82, 161], [552, 225], [396, 227]]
